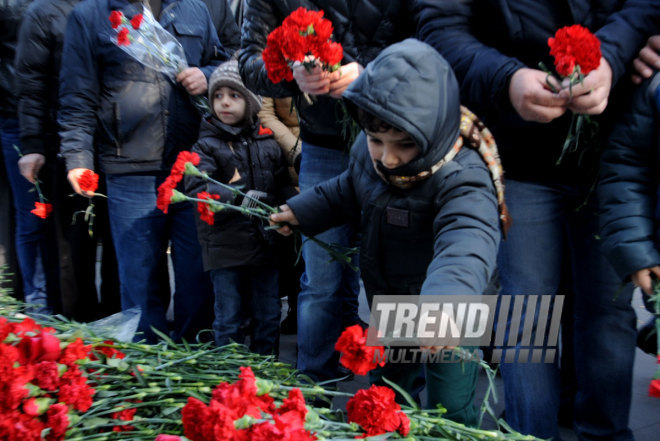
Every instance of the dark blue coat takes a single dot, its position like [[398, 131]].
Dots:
[[441, 235], [629, 184], [487, 41], [135, 117]]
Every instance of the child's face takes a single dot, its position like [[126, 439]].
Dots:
[[392, 148], [229, 105]]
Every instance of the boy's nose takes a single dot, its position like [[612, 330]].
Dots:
[[389, 160]]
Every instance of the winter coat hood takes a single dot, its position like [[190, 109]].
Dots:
[[410, 86]]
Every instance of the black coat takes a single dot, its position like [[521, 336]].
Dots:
[[487, 41], [38, 60], [228, 32], [235, 239], [363, 27], [629, 185], [132, 117], [441, 235], [11, 14]]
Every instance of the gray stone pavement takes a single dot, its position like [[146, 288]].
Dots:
[[645, 411]]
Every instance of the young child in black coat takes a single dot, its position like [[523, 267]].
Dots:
[[237, 251]]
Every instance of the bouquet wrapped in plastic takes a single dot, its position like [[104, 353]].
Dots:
[[146, 41]]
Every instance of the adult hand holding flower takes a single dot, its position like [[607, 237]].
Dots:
[[194, 80], [29, 166], [343, 77], [74, 177], [533, 98], [311, 80], [591, 95]]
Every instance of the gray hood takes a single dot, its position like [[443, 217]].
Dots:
[[410, 86]]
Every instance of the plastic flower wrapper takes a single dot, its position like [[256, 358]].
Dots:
[[41, 208], [576, 52], [145, 40]]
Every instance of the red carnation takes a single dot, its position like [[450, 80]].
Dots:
[[165, 194], [124, 415], [164, 437], [136, 21], [195, 417], [355, 354], [42, 209], [58, 421], [331, 53], [205, 212], [182, 158], [75, 351], [75, 391], [109, 352], [116, 19], [122, 37], [88, 181], [575, 47], [375, 410], [47, 375], [654, 388]]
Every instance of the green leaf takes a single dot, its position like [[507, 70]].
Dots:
[[412, 403]]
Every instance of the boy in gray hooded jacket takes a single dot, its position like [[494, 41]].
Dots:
[[426, 201]]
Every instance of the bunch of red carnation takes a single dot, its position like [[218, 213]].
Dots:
[[355, 354], [166, 190], [240, 411], [41, 384], [375, 410], [119, 22], [303, 35]]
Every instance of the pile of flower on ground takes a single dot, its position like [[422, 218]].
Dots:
[[60, 381]]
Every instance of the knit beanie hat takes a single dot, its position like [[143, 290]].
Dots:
[[227, 75]]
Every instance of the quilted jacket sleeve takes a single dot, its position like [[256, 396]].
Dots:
[[628, 186]]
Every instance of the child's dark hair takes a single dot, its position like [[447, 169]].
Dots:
[[372, 123]]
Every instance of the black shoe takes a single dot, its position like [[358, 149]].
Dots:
[[647, 339], [289, 325]]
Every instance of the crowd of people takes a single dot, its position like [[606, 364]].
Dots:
[[441, 91]]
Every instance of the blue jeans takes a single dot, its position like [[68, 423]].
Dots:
[[548, 230], [32, 233], [329, 289], [141, 233], [247, 292]]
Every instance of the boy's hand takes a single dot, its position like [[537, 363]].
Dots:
[[591, 96], [343, 77], [30, 164], [643, 278], [193, 79], [285, 216], [647, 60], [313, 81], [532, 98], [74, 176]]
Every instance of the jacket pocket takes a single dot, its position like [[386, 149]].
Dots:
[[191, 37]]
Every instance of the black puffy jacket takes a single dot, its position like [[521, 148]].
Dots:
[[235, 239], [363, 27], [629, 187], [487, 41], [11, 14], [132, 117], [441, 235], [38, 59]]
